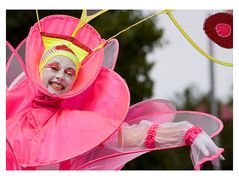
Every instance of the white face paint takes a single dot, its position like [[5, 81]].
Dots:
[[59, 75]]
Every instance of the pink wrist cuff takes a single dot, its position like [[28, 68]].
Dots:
[[191, 134], [150, 139]]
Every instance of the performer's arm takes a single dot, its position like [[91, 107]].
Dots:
[[149, 135], [167, 134]]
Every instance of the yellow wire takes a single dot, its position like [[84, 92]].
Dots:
[[85, 18], [126, 29], [170, 15], [38, 20]]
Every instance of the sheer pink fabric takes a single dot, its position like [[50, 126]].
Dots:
[[113, 154], [203, 149], [169, 135]]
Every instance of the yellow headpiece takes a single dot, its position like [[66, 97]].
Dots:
[[58, 46], [79, 50]]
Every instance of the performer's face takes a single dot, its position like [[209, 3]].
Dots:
[[59, 75]]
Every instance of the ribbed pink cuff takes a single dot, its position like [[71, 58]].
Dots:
[[150, 139], [191, 134]]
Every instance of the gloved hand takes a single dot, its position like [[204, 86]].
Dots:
[[204, 149]]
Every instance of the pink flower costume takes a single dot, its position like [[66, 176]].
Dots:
[[91, 126]]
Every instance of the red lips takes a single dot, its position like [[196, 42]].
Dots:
[[57, 86]]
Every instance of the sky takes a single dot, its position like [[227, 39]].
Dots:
[[178, 65]]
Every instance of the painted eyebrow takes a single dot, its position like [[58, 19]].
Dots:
[[71, 69], [53, 64]]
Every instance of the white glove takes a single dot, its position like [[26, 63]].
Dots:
[[204, 149]]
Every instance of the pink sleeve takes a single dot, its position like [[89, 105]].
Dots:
[[147, 135]]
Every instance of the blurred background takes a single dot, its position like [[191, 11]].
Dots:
[[157, 62]]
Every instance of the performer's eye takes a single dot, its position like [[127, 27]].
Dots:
[[55, 68], [70, 72]]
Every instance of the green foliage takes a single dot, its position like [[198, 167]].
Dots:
[[189, 99], [171, 159]]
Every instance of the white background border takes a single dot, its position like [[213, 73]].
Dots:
[[123, 4]]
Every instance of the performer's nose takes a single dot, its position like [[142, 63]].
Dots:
[[60, 76]]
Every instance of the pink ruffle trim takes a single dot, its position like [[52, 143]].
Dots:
[[150, 139], [211, 158], [191, 134]]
